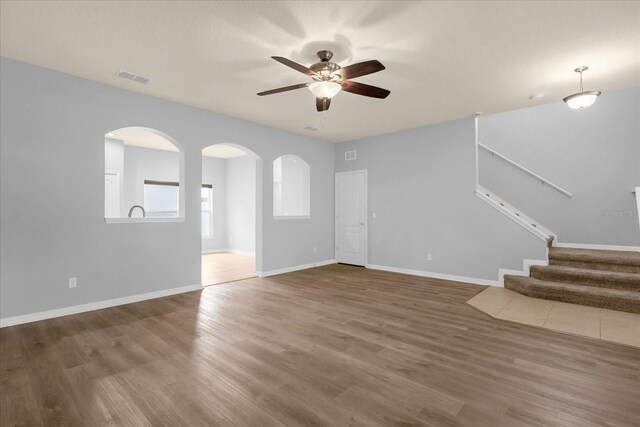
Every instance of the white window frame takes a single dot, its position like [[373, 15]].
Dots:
[[168, 184]]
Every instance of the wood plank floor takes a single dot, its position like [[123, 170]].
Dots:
[[223, 267], [331, 346]]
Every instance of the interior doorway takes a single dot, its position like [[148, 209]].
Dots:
[[231, 207], [351, 217]]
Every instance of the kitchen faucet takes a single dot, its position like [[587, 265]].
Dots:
[[144, 213]]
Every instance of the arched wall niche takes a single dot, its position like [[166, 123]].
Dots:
[[144, 176]]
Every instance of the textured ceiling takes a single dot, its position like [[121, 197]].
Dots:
[[445, 60]]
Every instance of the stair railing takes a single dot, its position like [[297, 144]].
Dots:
[[542, 180], [502, 206]]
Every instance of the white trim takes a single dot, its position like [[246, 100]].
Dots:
[[523, 221], [213, 251], [281, 217], [128, 220], [476, 150], [600, 247], [526, 270], [66, 311], [366, 212], [636, 191], [294, 268], [233, 251], [473, 280]]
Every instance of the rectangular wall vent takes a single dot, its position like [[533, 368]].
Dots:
[[349, 155], [132, 76]]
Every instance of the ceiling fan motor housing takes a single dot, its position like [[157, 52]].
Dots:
[[325, 69]]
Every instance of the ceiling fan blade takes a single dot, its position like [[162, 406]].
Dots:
[[365, 90], [360, 69], [283, 89], [322, 104], [294, 65]]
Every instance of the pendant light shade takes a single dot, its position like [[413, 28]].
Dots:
[[582, 99]]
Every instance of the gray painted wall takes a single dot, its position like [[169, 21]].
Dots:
[[593, 153], [214, 172], [422, 188], [52, 131], [241, 203]]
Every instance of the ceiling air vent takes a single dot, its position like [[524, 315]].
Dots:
[[132, 76], [350, 155]]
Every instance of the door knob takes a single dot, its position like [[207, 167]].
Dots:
[[362, 223]]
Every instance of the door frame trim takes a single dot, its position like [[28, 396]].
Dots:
[[366, 213]]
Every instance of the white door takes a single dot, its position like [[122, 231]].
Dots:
[[111, 194], [351, 217]]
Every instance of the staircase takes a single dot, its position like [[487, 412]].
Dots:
[[598, 278]]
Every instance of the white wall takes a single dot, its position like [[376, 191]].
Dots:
[[214, 172], [593, 153], [241, 204], [52, 131]]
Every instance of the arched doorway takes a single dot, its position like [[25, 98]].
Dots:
[[231, 217]]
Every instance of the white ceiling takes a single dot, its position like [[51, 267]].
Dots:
[[222, 151], [444, 60], [142, 138]]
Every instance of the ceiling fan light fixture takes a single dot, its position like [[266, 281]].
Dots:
[[325, 89], [582, 99]]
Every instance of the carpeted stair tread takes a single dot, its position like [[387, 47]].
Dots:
[[588, 277], [613, 299], [595, 255]]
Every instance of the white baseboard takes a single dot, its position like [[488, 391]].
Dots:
[[473, 280], [213, 251], [600, 247], [233, 251], [526, 269], [294, 268], [66, 311]]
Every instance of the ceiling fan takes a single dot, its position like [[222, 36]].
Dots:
[[329, 79]]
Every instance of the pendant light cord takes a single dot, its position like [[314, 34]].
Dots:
[[581, 89]]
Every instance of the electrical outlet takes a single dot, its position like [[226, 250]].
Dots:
[[429, 257], [73, 282], [315, 250], [374, 215]]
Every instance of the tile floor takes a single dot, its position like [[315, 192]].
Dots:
[[225, 267], [608, 325]]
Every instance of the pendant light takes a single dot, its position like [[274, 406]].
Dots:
[[582, 99]]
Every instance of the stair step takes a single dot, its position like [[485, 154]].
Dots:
[[613, 299], [593, 259], [587, 277]]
